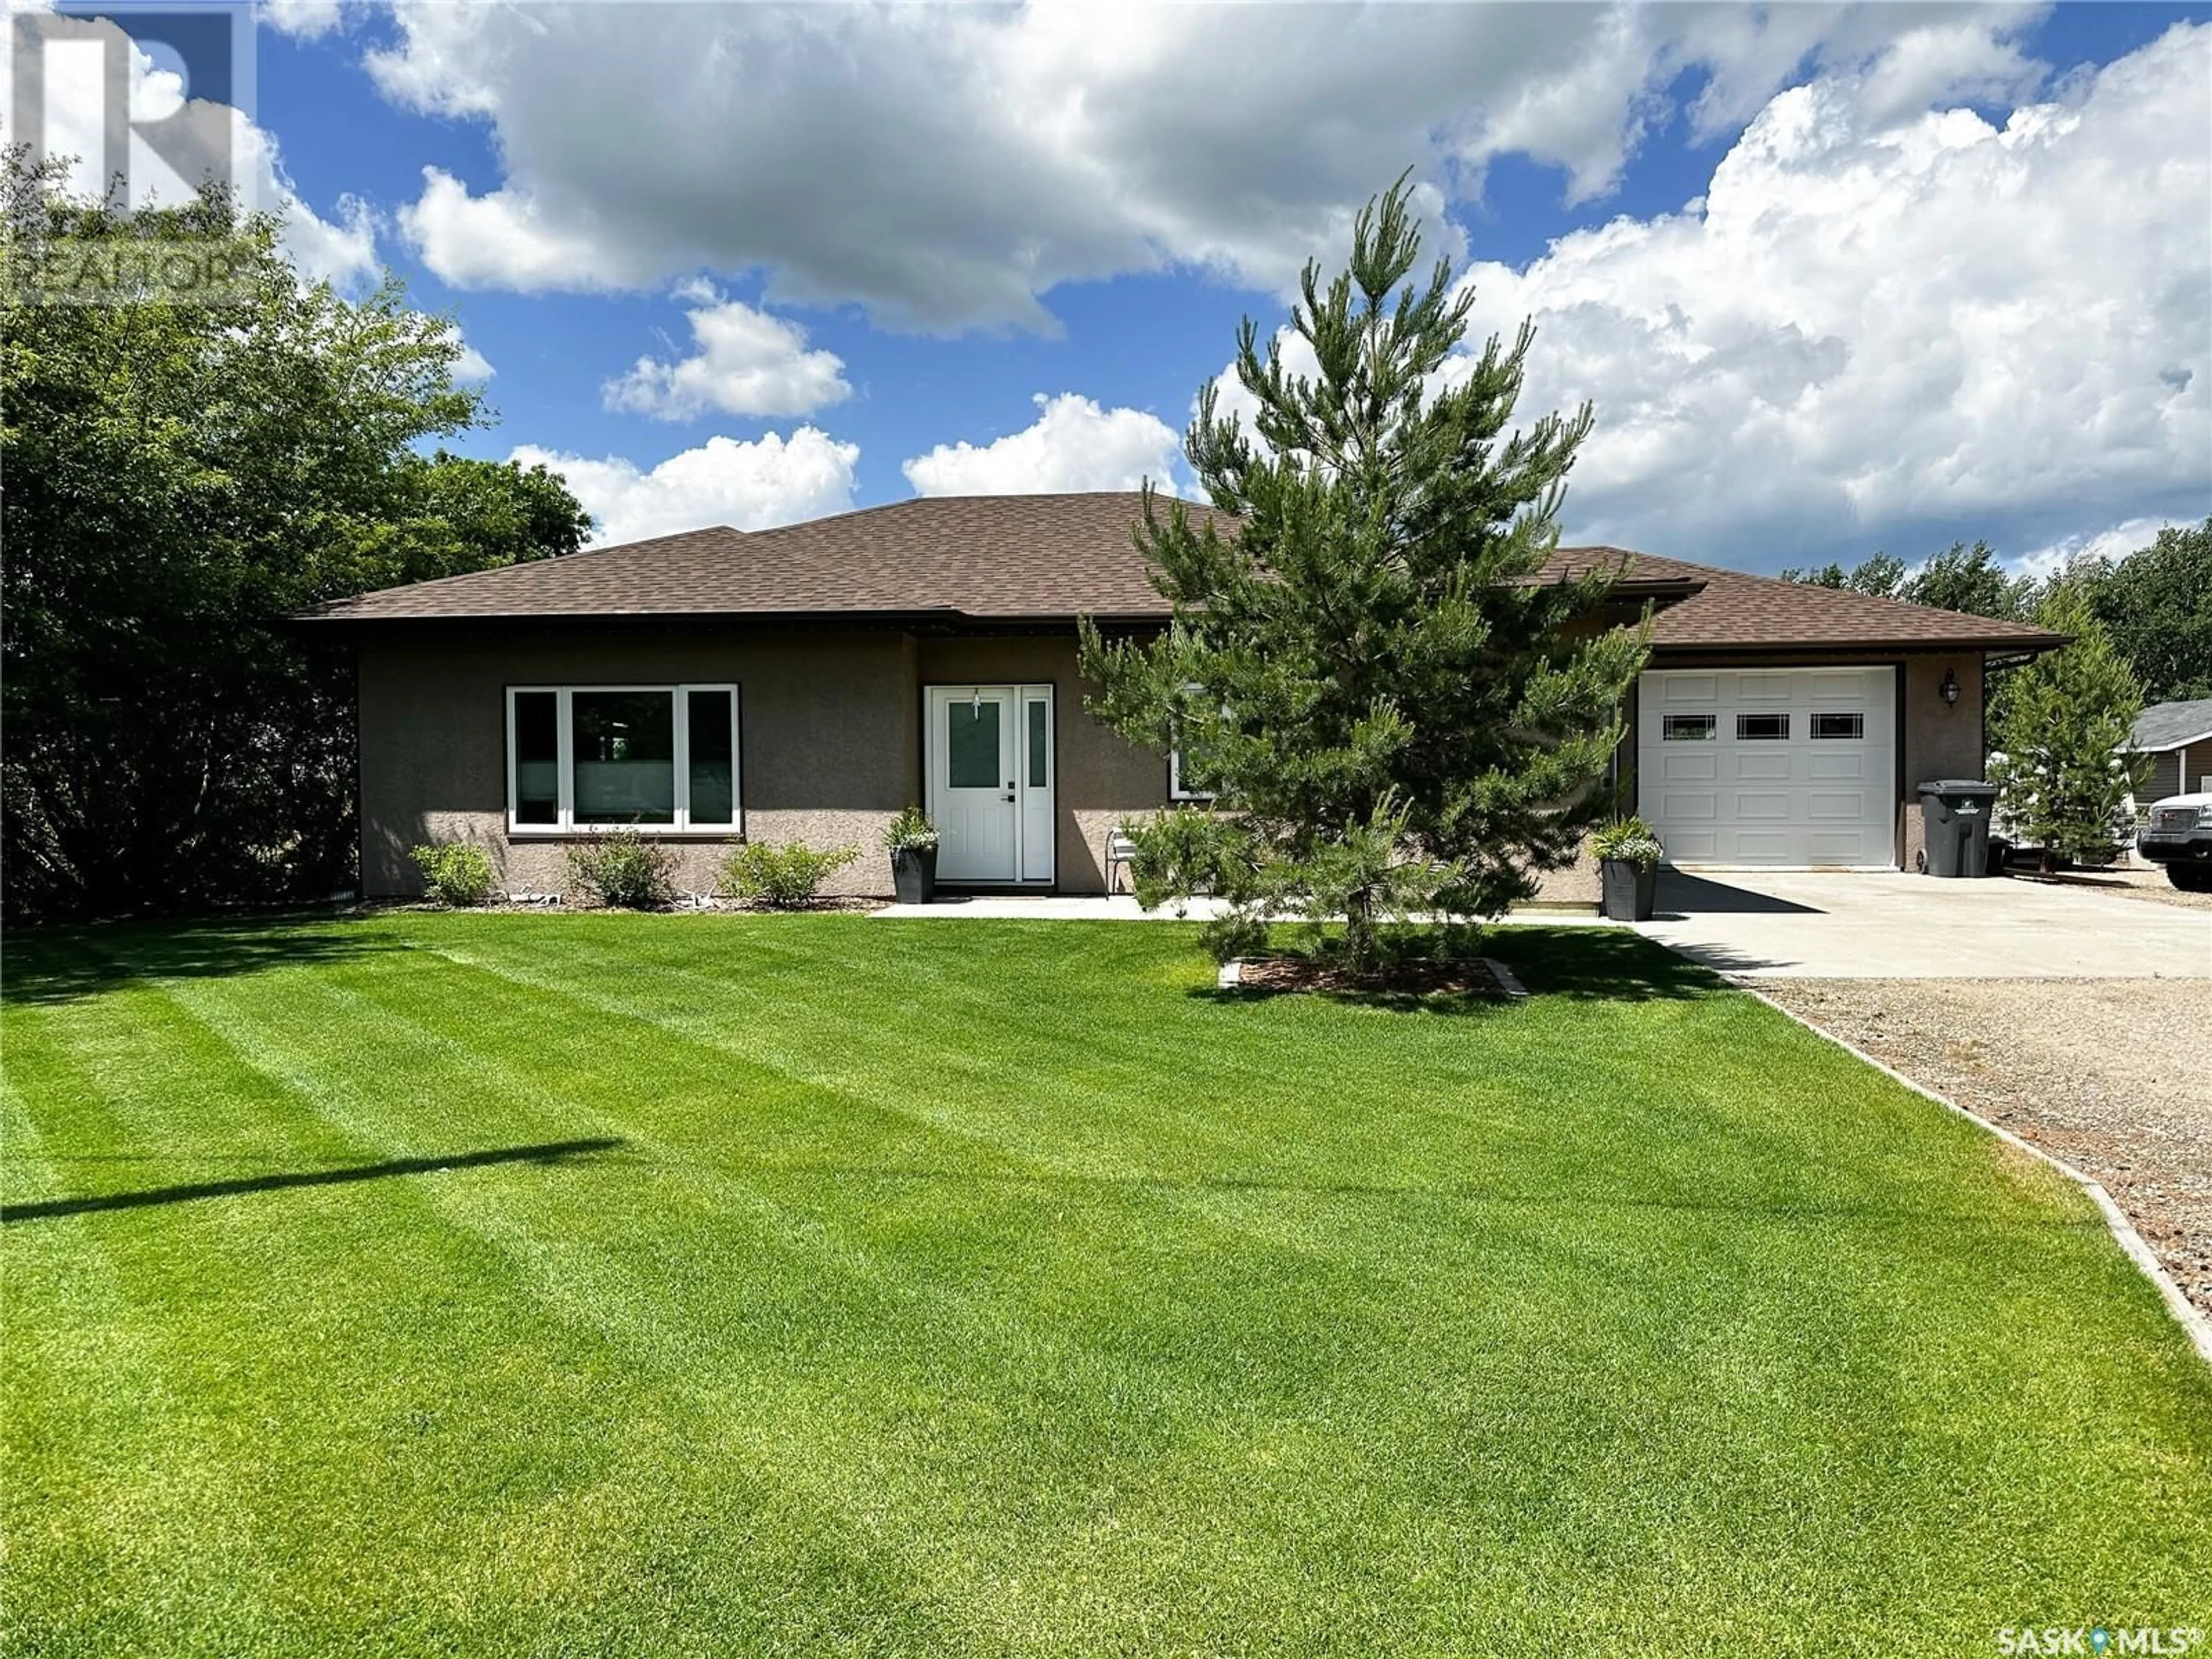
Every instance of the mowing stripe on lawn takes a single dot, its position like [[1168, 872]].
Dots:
[[1010, 1292]]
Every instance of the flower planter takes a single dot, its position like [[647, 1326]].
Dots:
[[1627, 890], [914, 874]]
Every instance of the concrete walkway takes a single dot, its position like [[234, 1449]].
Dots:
[[1821, 925]]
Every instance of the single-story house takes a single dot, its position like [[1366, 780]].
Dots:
[[806, 683], [2177, 737]]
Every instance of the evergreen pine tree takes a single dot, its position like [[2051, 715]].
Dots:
[[1394, 712], [2059, 730]]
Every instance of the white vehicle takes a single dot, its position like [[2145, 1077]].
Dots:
[[2176, 832]]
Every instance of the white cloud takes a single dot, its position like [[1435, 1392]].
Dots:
[[771, 480], [305, 19], [2115, 543], [747, 363], [1073, 445], [947, 166], [502, 240], [472, 368], [342, 252], [1954, 61], [1870, 330]]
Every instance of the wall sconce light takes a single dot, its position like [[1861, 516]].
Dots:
[[1949, 689]]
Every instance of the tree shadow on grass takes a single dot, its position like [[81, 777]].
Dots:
[[1601, 964], [551, 1154], [64, 965], [1588, 964]]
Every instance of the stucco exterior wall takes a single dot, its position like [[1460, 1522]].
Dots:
[[1942, 741], [829, 742]]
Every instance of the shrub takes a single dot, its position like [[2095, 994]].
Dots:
[[458, 873], [780, 877], [1192, 850], [1233, 935], [622, 870], [1629, 840], [911, 831]]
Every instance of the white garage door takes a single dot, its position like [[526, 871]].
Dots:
[[1773, 766]]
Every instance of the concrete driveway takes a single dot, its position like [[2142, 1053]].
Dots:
[[1820, 924]]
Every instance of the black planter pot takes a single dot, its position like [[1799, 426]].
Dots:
[[1627, 891], [914, 874]]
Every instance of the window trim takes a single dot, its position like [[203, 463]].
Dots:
[[678, 692], [1709, 732], [1748, 714], [1175, 791], [1814, 734]]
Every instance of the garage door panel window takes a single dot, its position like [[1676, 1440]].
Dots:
[[1762, 728], [1835, 727], [654, 757], [1689, 729]]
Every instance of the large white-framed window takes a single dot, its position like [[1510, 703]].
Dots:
[[660, 759]]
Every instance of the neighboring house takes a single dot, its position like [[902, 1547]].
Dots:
[[2177, 737], [806, 683]]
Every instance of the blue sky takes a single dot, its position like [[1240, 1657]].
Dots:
[[1895, 323]]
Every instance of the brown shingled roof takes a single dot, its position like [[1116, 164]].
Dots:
[[1733, 609], [1013, 557], [984, 557]]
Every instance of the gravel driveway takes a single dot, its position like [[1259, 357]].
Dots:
[[2151, 884], [2114, 1076]]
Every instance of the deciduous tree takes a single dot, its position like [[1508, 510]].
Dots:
[[180, 476], [2157, 606]]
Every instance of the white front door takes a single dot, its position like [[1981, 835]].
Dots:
[[989, 751], [1790, 767]]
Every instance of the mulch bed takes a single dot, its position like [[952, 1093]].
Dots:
[[1419, 976]]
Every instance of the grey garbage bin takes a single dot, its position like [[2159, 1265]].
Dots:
[[1955, 816]]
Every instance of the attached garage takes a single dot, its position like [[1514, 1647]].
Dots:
[[1788, 766]]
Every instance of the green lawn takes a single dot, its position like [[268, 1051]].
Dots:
[[837, 1285]]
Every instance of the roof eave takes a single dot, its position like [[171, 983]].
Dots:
[[2026, 644], [2165, 743], [936, 615]]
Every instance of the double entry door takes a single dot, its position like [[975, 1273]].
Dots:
[[987, 753]]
